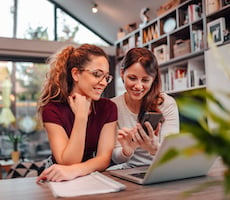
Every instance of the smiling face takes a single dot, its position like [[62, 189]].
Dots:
[[137, 82], [87, 82]]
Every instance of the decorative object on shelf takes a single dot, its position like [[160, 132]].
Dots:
[[167, 6], [161, 53], [131, 27], [144, 17], [120, 34], [216, 30], [169, 25], [181, 47], [212, 6]]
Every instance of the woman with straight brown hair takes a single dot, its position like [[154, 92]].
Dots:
[[141, 77]]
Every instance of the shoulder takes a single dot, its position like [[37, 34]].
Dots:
[[118, 99], [106, 103], [169, 104], [168, 100], [106, 110], [55, 107], [54, 111]]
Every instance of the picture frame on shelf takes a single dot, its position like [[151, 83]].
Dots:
[[216, 29]]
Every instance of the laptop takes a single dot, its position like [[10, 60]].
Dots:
[[196, 164]]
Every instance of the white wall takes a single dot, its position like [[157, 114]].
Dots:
[[217, 63]]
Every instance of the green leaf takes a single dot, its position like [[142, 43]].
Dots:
[[169, 155]]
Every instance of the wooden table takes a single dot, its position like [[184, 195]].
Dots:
[[26, 188]]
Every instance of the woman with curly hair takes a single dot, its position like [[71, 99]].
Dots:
[[79, 123]]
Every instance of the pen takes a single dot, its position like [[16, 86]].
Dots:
[[42, 180]]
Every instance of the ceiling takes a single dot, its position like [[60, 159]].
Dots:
[[111, 16]]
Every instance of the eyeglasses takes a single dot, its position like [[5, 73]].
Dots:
[[99, 74]]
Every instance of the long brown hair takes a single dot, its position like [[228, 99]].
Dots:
[[148, 61], [59, 82]]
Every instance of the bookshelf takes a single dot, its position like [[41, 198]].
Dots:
[[178, 38]]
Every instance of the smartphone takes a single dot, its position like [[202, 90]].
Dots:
[[153, 118]]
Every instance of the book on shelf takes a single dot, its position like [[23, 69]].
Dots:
[[194, 12], [94, 183], [197, 40], [195, 72], [178, 78], [165, 81], [193, 78]]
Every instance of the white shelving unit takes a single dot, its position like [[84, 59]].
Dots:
[[183, 47]]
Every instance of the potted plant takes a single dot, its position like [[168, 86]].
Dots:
[[15, 137]]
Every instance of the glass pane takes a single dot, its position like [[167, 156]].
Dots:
[[24, 80], [68, 29], [6, 16], [35, 20], [84, 35]]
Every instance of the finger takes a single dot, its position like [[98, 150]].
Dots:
[[53, 175], [142, 132], [41, 179], [157, 131], [137, 137], [150, 130]]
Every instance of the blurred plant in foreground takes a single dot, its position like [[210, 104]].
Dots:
[[204, 108]]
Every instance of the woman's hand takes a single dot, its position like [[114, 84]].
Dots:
[[125, 137], [150, 141], [79, 104], [57, 172]]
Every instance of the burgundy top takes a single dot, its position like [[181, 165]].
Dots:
[[61, 114]]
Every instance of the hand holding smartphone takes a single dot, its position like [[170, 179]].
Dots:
[[153, 118]]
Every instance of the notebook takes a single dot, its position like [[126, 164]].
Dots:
[[182, 166], [94, 183]]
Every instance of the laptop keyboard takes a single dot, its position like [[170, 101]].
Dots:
[[139, 175]]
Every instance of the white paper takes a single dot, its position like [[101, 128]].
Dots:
[[94, 183]]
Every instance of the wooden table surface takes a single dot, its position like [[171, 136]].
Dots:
[[200, 188]]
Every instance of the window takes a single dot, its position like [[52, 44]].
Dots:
[[35, 20], [68, 29], [6, 13], [25, 81]]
